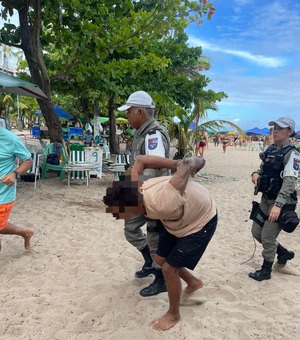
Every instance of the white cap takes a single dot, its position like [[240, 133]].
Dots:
[[138, 99], [284, 122]]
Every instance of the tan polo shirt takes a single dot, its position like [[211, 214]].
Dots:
[[181, 215]]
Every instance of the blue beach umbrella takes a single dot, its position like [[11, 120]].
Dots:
[[59, 112]]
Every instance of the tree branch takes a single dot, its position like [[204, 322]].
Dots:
[[9, 44], [68, 68]]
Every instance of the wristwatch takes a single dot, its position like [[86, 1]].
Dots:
[[18, 175], [278, 204]]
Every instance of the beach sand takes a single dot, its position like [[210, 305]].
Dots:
[[78, 281]]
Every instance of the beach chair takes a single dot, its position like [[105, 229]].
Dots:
[[78, 166], [77, 157], [119, 167], [52, 148], [34, 173]]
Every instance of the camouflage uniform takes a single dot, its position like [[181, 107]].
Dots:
[[267, 232]]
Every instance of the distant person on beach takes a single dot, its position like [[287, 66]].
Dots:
[[277, 180], [205, 134], [11, 148], [225, 141], [149, 139], [269, 140], [202, 144], [216, 140], [189, 216]]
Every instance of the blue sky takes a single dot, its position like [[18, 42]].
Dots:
[[254, 50]]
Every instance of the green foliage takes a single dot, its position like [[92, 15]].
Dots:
[[98, 50]]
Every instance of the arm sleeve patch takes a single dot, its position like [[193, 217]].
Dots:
[[292, 166], [154, 145]]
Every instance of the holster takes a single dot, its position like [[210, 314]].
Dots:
[[255, 212]]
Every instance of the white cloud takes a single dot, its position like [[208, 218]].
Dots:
[[273, 25], [271, 62]]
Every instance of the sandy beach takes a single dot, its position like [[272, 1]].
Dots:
[[78, 281]]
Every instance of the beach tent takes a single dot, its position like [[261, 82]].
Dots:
[[21, 87], [59, 112], [257, 132]]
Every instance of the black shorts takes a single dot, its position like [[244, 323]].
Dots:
[[185, 251]]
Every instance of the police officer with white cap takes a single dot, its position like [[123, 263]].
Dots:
[[149, 139], [277, 180]]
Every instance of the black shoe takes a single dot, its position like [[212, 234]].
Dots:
[[286, 257], [147, 268], [144, 272], [283, 255], [259, 275], [264, 273], [158, 285], [155, 288]]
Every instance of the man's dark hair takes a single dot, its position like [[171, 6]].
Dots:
[[122, 193]]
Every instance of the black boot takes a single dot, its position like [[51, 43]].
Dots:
[[158, 285], [147, 268], [264, 273], [283, 255]]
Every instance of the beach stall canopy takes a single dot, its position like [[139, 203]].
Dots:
[[59, 112], [120, 120], [257, 132], [21, 87]]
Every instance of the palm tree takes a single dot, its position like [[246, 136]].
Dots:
[[6, 104], [181, 129]]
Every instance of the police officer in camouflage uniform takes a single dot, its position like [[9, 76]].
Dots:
[[277, 180], [149, 139]]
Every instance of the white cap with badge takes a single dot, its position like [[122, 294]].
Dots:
[[138, 99]]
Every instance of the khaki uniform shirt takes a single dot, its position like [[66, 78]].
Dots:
[[138, 146]]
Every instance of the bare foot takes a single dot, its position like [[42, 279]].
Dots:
[[165, 322], [27, 236]]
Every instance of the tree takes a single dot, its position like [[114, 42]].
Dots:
[[27, 37], [6, 104], [97, 44]]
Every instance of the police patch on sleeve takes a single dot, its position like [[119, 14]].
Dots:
[[296, 164], [292, 166], [154, 145]]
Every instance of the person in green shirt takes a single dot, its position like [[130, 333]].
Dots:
[[11, 148]]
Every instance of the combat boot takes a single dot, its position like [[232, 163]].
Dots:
[[147, 268], [158, 286], [264, 273], [283, 255]]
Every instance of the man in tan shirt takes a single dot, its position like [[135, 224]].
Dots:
[[187, 211]]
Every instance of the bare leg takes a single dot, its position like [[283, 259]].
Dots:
[[11, 229], [193, 283], [173, 283]]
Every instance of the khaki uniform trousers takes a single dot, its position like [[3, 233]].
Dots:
[[135, 235], [267, 234]]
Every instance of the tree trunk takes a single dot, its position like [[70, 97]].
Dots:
[[30, 44], [113, 144]]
